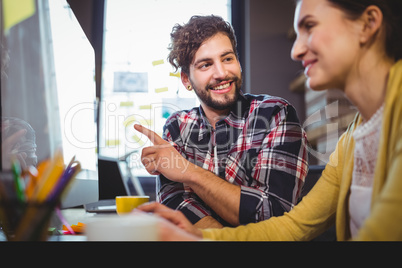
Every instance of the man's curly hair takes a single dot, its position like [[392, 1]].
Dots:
[[187, 39]]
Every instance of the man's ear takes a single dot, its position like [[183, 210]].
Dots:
[[185, 80], [372, 19]]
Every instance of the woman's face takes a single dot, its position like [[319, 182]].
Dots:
[[327, 44]]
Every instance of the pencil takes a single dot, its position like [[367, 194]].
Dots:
[[50, 177]]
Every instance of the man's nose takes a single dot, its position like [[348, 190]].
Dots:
[[220, 71]]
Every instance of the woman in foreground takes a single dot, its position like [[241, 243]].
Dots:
[[355, 46]]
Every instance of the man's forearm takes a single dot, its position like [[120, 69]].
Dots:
[[222, 196]]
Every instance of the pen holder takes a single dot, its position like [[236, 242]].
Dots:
[[25, 221]]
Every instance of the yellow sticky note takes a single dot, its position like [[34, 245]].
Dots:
[[175, 74], [162, 89], [146, 107], [138, 140], [126, 104], [110, 143], [15, 11], [146, 122], [158, 62], [131, 119]]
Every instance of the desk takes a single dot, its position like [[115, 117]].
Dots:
[[73, 216]]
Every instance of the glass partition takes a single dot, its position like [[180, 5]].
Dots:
[[139, 85]]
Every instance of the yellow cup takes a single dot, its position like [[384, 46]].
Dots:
[[125, 204]]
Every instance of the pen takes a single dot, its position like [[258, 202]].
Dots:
[[18, 183], [50, 177], [33, 175], [71, 171]]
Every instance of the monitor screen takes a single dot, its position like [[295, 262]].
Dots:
[[48, 95]]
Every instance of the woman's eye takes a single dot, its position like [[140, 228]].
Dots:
[[309, 25]]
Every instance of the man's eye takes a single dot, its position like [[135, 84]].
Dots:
[[204, 66]]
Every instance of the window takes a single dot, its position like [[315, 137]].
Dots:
[[48, 80], [139, 85], [74, 63]]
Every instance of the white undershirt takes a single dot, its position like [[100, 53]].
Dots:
[[366, 136]]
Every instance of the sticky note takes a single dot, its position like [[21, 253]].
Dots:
[[138, 140], [77, 228], [157, 62], [131, 119], [162, 89], [146, 107], [175, 74], [15, 11], [111, 143], [146, 122], [126, 104]]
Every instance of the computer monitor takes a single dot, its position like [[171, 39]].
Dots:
[[48, 88], [111, 181]]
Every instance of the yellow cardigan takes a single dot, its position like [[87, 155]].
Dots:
[[328, 201]]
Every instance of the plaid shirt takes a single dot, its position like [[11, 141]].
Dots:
[[260, 146]]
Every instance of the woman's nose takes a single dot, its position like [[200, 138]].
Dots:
[[299, 49]]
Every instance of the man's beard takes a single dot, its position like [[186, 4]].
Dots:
[[220, 105]]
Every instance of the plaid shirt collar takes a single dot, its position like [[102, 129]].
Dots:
[[235, 119]]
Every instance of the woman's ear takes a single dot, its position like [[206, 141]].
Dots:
[[372, 19]]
